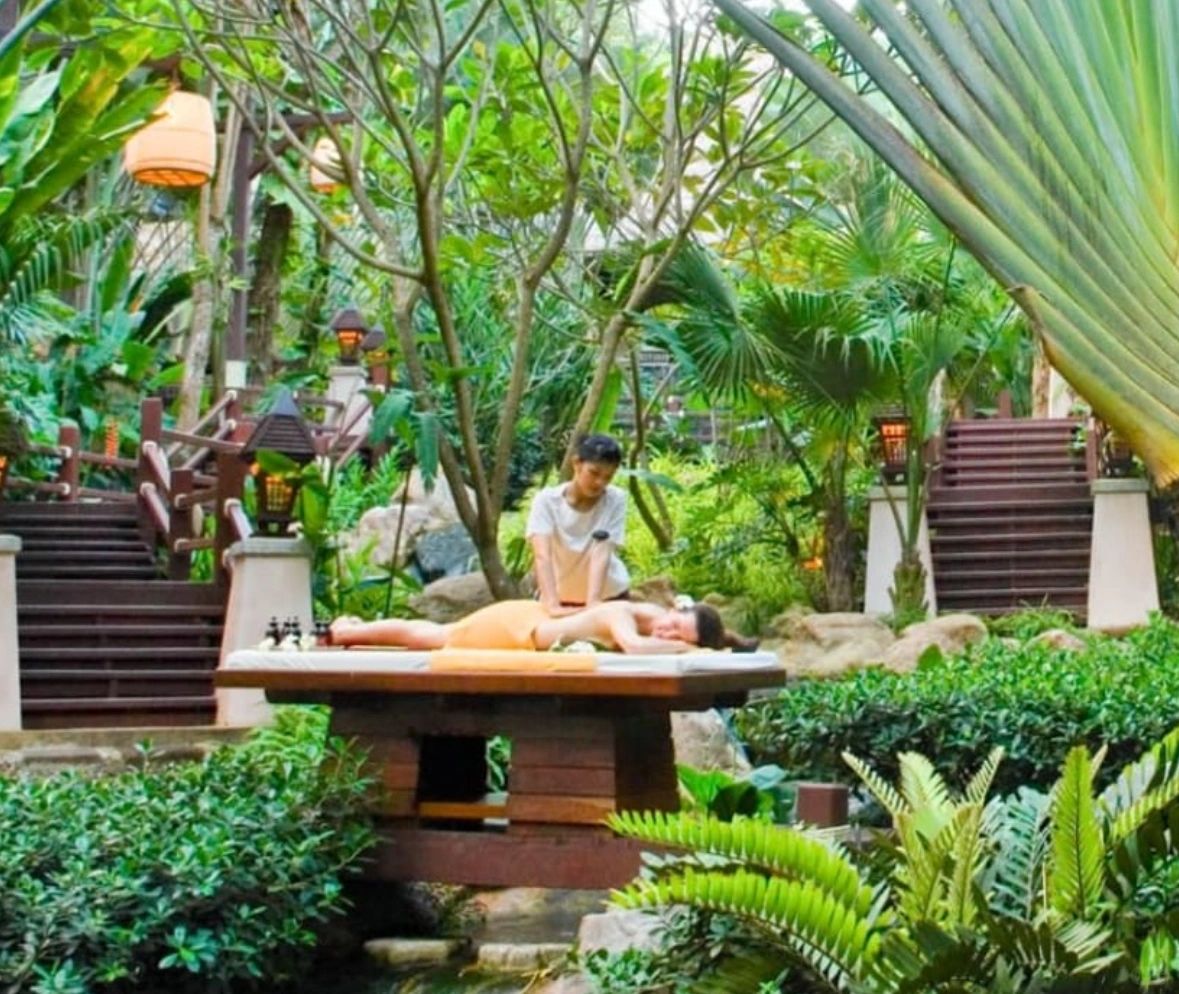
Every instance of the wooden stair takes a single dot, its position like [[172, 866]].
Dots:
[[105, 641], [1011, 517]]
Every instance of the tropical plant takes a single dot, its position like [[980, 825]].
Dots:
[[1060, 181], [1018, 894]]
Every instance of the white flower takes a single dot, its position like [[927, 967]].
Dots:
[[683, 602]]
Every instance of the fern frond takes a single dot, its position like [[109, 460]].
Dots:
[[830, 937], [758, 845], [1076, 874], [980, 784], [878, 787], [965, 860], [922, 786], [1155, 769], [1018, 827]]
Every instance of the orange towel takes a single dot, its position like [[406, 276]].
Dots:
[[505, 625]]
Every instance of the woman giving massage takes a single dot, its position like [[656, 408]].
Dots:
[[623, 626]]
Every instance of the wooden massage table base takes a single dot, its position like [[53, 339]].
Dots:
[[582, 746]]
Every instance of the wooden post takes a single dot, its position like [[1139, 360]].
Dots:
[[151, 427], [231, 477], [179, 524], [70, 472]]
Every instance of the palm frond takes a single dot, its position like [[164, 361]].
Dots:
[[831, 938], [980, 784], [878, 787], [757, 844]]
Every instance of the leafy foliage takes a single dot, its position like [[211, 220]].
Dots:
[[1022, 895], [1033, 700], [183, 876]]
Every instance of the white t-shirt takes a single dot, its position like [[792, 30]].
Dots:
[[572, 539]]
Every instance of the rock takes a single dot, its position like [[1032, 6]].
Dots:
[[413, 952], [950, 633], [702, 740], [1060, 638], [438, 503], [447, 552], [828, 645], [733, 610], [520, 956], [615, 931], [784, 624], [452, 597], [655, 590], [564, 983], [376, 533]]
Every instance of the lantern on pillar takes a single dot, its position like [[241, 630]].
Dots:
[[376, 356], [892, 430], [328, 153], [283, 430], [179, 147], [350, 331]]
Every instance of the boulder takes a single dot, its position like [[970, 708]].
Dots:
[[447, 552], [828, 645], [733, 610], [617, 931], [784, 624], [438, 503], [655, 590], [702, 739], [1060, 638], [452, 597], [376, 532], [951, 633]]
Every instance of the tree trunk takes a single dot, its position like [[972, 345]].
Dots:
[[266, 289], [1040, 380], [200, 332], [838, 558], [908, 590]]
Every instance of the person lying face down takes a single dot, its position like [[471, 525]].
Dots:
[[623, 626]]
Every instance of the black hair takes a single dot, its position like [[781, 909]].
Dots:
[[711, 632], [600, 449]]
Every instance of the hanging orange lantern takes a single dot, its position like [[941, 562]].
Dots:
[[178, 148], [325, 151]]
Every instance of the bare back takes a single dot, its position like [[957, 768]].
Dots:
[[623, 626]]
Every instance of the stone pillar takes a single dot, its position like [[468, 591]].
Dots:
[[347, 385], [884, 550], [9, 649], [1123, 588], [1061, 398], [268, 576]]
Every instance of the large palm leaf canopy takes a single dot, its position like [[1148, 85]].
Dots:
[[1054, 129]]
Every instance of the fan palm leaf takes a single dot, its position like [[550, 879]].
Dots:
[[1053, 127]]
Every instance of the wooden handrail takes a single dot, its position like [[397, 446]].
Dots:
[[204, 441], [238, 519], [193, 497], [157, 463], [56, 451], [40, 486], [224, 432], [350, 450], [155, 506], [99, 459], [214, 412], [183, 545]]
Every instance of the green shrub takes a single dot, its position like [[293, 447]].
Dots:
[[1033, 700], [187, 876]]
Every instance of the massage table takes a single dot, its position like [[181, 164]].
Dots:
[[590, 735]]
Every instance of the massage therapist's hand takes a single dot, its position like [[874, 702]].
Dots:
[[558, 610]]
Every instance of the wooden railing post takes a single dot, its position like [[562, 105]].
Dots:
[[70, 438], [231, 478], [179, 524], [151, 427]]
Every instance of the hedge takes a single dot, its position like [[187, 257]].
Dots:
[[1034, 700], [189, 876]]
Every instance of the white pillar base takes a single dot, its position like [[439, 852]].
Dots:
[[268, 576], [9, 647], [347, 385], [1123, 588], [884, 550]]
